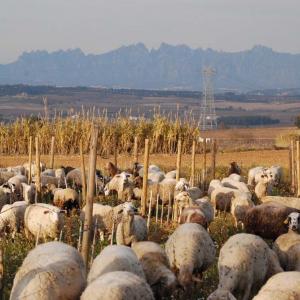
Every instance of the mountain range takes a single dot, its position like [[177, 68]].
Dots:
[[168, 67]]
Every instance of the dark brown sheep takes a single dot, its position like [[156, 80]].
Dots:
[[267, 220], [111, 169], [234, 169], [193, 215]]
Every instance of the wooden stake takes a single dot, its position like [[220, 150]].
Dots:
[[162, 213], [112, 233], [83, 176], [178, 162], [145, 177], [204, 165], [169, 208], [30, 161], [192, 181], [38, 170], [290, 164], [293, 165], [135, 150], [149, 211], [115, 152], [156, 215], [298, 167], [79, 237], [213, 158], [52, 153], [88, 219], [94, 241]]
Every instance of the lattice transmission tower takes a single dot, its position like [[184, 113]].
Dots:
[[208, 117]]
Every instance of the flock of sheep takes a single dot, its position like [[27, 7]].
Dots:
[[136, 268]]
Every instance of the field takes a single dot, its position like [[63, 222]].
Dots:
[[248, 147], [144, 103]]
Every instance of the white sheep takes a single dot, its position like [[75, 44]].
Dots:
[[254, 175], [292, 202], [275, 173], [131, 228], [48, 172], [239, 206], [12, 217], [241, 186], [206, 207], [215, 183], [33, 168], [17, 181], [43, 220], [105, 216], [29, 191], [52, 270], [263, 187], [121, 185], [282, 286], [287, 246], [171, 174], [236, 177], [18, 170], [119, 285], [245, 263], [5, 194], [190, 250], [156, 267], [66, 199], [5, 176], [115, 258], [167, 190]]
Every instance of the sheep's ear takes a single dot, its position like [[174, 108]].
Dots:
[[46, 212], [286, 221]]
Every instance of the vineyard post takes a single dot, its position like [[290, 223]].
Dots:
[[290, 164], [135, 150], [30, 160], [38, 170], [298, 167], [145, 177], [83, 172], [115, 151], [52, 153], [293, 165], [204, 165], [88, 219], [192, 181], [213, 158], [178, 163]]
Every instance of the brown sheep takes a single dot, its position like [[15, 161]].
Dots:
[[111, 169], [193, 215], [267, 220], [234, 169]]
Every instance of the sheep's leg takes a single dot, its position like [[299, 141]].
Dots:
[[247, 291]]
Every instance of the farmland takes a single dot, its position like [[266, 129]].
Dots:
[[248, 147]]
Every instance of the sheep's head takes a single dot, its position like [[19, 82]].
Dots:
[[293, 221], [221, 294], [183, 199], [8, 188], [181, 185], [129, 209]]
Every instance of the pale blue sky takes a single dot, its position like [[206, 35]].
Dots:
[[97, 26]]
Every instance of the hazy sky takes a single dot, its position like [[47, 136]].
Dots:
[[97, 26]]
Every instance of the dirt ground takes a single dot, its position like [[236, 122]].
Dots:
[[245, 159]]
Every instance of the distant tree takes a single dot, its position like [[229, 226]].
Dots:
[[297, 121]]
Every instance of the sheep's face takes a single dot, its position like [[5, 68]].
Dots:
[[8, 188], [129, 209], [293, 221], [181, 186]]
